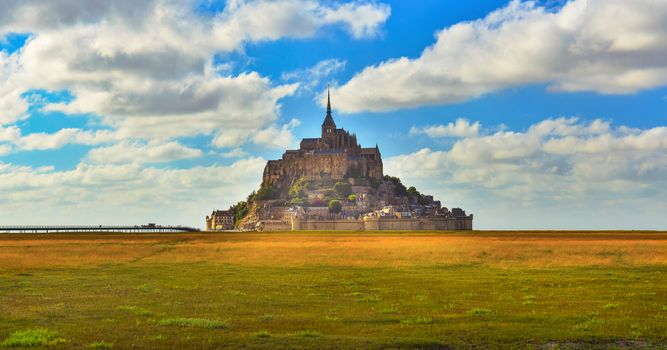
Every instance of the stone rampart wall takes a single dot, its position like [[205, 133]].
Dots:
[[379, 224], [332, 225], [399, 224], [274, 226]]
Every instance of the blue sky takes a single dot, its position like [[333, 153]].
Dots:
[[530, 115]]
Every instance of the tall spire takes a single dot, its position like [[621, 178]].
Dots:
[[328, 101], [328, 120]]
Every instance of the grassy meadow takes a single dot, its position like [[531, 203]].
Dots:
[[542, 290]]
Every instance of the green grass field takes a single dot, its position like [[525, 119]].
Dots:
[[543, 290]]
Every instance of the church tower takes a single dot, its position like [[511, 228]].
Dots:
[[329, 126]]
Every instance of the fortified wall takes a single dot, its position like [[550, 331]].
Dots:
[[370, 223]]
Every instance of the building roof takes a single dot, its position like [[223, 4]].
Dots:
[[365, 150], [310, 142]]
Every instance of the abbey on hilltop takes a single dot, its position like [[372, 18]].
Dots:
[[336, 155], [332, 183]]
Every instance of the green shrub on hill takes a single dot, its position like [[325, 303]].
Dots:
[[416, 196], [299, 201], [335, 206], [240, 210], [343, 189], [299, 188], [265, 193], [399, 188]]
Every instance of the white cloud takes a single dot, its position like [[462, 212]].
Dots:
[[361, 19], [460, 128], [279, 138], [544, 175], [649, 140], [231, 138], [123, 193], [44, 141], [270, 20], [311, 78], [272, 136], [12, 106], [146, 68], [128, 152], [234, 153], [9, 134], [605, 46]]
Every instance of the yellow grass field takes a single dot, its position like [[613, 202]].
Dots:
[[336, 290]]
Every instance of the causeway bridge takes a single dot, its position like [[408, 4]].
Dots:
[[94, 228]]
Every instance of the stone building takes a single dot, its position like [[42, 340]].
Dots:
[[333, 156], [220, 220]]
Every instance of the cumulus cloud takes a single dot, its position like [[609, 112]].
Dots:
[[43, 141], [362, 20], [279, 138], [562, 166], [234, 153], [270, 20], [605, 46], [460, 128], [231, 138], [147, 68], [311, 78], [12, 106], [272, 136], [123, 193], [129, 152], [9, 134]]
